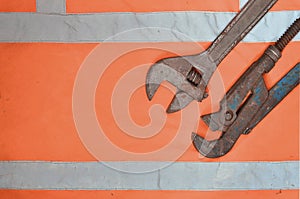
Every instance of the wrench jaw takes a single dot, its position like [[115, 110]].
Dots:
[[179, 101], [189, 74], [180, 72], [214, 148], [197, 76], [210, 122], [221, 120], [151, 89], [155, 77]]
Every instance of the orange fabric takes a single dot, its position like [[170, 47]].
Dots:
[[82, 6], [28, 194], [17, 6], [286, 5], [36, 104]]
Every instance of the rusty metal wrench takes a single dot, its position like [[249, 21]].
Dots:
[[249, 116], [190, 74], [239, 112]]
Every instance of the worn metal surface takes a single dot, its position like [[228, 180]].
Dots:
[[235, 117], [276, 94], [190, 74], [234, 98], [217, 148]]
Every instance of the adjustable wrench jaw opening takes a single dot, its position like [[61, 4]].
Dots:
[[174, 70], [186, 74]]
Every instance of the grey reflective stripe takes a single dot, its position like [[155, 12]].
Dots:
[[53, 6], [196, 26], [242, 3], [177, 176]]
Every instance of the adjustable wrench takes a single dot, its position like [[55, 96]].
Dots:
[[190, 74], [239, 112]]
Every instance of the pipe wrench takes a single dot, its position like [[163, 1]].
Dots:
[[240, 112], [191, 74]]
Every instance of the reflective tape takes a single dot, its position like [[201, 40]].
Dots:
[[53, 6], [242, 3], [139, 27], [177, 176]]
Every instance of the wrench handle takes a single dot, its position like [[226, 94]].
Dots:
[[276, 94], [238, 28]]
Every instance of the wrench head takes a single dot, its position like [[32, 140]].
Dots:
[[179, 101], [205, 147], [213, 148], [182, 73]]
